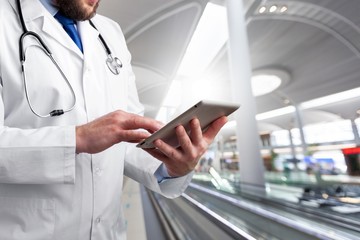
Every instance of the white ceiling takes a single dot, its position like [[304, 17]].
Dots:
[[157, 34], [316, 41]]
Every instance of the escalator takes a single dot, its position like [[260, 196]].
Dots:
[[204, 213]]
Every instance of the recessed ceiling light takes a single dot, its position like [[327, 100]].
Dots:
[[262, 9], [265, 81], [273, 8], [283, 9], [286, 101]]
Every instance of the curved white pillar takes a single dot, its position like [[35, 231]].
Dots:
[[248, 145]]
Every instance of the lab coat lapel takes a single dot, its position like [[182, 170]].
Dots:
[[37, 18], [54, 29], [88, 35]]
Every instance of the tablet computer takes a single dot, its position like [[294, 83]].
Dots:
[[206, 111]]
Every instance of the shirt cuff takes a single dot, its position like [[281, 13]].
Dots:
[[162, 174]]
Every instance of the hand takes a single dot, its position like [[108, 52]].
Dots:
[[113, 128], [182, 160]]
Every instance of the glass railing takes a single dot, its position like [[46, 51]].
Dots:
[[334, 198]]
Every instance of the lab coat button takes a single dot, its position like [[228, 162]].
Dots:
[[98, 171], [98, 220]]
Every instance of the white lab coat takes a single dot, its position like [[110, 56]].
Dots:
[[46, 190]]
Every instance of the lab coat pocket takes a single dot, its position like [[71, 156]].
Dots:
[[26, 219]]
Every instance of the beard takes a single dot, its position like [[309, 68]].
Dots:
[[75, 10]]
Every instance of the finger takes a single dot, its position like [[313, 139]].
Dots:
[[184, 139], [136, 122], [161, 124], [167, 150], [133, 135], [196, 131], [215, 127]]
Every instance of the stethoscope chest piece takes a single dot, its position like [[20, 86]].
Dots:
[[114, 64]]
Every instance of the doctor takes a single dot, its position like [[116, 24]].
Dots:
[[61, 176]]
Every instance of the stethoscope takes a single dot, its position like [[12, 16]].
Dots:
[[114, 64]]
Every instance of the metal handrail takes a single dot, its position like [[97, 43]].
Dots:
[[310, 230]]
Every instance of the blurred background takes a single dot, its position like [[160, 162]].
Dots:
[[287, 164]]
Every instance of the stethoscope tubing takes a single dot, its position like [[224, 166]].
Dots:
[[113, 63], [56, 112]]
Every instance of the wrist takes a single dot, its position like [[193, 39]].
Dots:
[[79, 140]]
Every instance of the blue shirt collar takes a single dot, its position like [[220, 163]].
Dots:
[[48, 4]]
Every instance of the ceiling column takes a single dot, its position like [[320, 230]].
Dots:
[[248, 145], [356, 132], [292, 146], [300, 125]]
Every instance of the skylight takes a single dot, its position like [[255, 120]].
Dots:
[[337, 97], [275, 113], [209, 37]]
